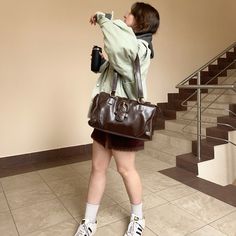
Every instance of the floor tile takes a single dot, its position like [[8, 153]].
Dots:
[[58, 173], [226, 224], [40, 216], [111, 214], [67, 228], [18, 182], [3, 203], [149, 201], [68, 186], [145, 162], [107, 202], [113, 164], [148, 232], [115, 229], [157, 182], [145, 173], [204, 207], [76, 204], [29, 195], [169, 220], [83, 168], [7, 226], [113, 176], [118, 229], [38, 212], [176, 192], [207, 231], [117, 192]]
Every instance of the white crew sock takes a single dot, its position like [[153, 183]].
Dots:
[[137, 209], [91, 212]]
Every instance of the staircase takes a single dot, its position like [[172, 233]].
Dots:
[[174, 140]]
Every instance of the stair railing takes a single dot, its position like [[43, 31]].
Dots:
[[199, 87], [208, 106]]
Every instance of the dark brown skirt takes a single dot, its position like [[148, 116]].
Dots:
[[116, 142]]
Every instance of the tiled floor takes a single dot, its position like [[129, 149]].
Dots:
[[51, 202]]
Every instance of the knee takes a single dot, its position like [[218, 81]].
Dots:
[[99, 168], [125, 171]]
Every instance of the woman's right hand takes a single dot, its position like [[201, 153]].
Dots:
[[102, 56]]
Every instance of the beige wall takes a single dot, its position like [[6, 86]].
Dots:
[[45, 78]]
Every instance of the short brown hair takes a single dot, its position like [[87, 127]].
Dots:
[[147, 19]]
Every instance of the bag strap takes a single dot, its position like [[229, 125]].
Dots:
[[114, 83], [137, 77]]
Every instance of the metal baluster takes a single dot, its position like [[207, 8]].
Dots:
[[199, 119]]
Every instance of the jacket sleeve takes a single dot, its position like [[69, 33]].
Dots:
[[120, 44]]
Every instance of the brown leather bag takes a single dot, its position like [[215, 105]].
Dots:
[[123, 116]]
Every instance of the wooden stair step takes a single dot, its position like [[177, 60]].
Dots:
[[176, 105], [204, 80], [190, 95], [228, 120], [218, 132], [179, 174], [207, 147], [190, 91], [215, 69], [159, 123], [231, 55], [224, 62], [232, 108], [189, 162], [169, 114]]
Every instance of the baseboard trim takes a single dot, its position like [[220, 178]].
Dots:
[[20, 164]]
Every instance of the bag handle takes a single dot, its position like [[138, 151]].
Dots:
[[137, 77]]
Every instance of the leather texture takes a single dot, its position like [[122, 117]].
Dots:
[[123, 116]]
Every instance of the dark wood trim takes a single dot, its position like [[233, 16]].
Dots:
[[19, 164]]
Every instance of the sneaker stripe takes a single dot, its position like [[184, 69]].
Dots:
[[90, 229], [140, 229]]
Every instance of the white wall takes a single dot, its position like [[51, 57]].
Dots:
[[222, 169], [232, 160], [45, 78]]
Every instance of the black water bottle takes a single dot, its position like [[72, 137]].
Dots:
[[96, 59]]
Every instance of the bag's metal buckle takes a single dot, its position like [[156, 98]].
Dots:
[[113, 93], [122, 111], [141, 100]]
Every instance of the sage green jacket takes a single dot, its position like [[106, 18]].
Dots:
[[121, 47]]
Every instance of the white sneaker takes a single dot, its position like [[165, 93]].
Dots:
[[136, 226], [86, 228]]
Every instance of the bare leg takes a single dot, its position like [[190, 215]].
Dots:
[[100, 162], [125, 162]]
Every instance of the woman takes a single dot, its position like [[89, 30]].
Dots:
[[122, 42]]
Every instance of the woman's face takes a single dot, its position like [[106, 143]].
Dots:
[[129, 19]]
